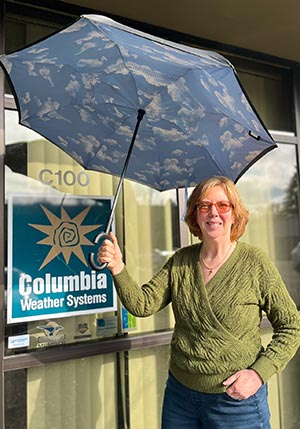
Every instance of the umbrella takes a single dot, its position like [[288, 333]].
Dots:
[[122, 102]]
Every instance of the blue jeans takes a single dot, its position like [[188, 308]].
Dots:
[[186, 408]]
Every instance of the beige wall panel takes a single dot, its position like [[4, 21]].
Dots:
[[148, 371], [273, 388], [64, 173], [148, 230], [73, 394], [137, 244], [290, 394]]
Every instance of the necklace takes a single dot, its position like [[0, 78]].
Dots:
[[212, 269]]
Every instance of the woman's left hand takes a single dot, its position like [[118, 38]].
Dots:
[[243, 384]]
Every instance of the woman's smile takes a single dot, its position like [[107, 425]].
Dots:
[[213, 220]]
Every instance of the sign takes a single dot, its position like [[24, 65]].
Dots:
[[48, 248], [18, 341], [128, 320]]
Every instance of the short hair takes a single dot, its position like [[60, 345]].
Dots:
[[240, 213]]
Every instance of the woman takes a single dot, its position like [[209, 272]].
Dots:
[[218, 289]]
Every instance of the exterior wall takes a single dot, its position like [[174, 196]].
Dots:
[[103, 384]]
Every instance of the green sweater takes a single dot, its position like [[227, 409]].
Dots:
[[217, 325]]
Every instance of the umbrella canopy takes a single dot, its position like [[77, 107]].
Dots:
[[121, 101], [82, 87]]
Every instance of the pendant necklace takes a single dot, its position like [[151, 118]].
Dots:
[[212, 269]]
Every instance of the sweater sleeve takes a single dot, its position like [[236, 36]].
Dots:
[[285, 320], [145, 300]]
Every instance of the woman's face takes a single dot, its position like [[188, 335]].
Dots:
[[215, 223]]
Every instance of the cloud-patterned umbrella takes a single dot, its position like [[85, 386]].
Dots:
[[122, 102]]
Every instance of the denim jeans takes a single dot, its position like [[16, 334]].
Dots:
[[186, 408]]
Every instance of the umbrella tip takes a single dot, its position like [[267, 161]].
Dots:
[[141, 113]]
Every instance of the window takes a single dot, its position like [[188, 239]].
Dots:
[[270, 191], [270, 91], [146, 225]]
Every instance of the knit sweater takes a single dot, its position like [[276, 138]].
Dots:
[[217, 325]]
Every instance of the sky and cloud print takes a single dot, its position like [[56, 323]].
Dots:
[[82, 87]]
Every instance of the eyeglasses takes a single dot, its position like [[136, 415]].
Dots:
[[221, 206]]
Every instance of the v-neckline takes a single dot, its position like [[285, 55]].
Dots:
[[220, 270]]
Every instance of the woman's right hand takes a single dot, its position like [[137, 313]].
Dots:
[[110, 253]]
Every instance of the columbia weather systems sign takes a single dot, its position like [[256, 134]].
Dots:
[[48, 247]]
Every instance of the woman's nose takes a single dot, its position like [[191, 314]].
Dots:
[[213, 210]]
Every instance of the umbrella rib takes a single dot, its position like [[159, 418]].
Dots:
[[118, 48], [114, 131]]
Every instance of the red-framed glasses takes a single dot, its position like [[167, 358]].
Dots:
[[221, 206]]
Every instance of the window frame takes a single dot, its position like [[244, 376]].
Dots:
[[124, 342]]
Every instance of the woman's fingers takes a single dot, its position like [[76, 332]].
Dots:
[[105, 251], [110, 253]]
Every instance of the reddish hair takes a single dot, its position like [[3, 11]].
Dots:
[[240, 213]]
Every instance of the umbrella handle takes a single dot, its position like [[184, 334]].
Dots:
[[104, 236]]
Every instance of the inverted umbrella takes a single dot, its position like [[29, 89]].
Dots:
[[89, 87]]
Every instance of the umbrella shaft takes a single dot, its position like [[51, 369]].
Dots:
[[140, 116]]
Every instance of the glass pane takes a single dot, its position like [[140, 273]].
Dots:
[[148, 371], [151, 236], [147, 226], [81, 393], [289, 394], [270, 91], [37, 170], [270, 191], [15, 398]]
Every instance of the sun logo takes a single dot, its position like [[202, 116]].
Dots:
[[65, 235]]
